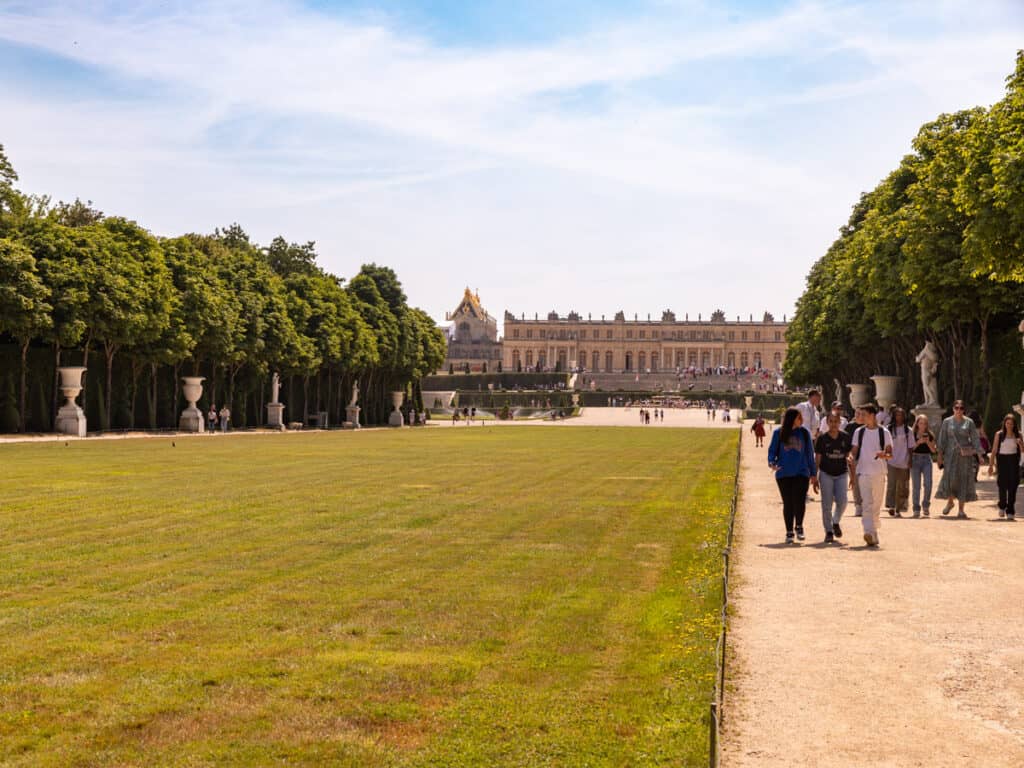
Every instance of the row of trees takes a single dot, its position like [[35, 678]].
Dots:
[[935, 251], [140, 311]]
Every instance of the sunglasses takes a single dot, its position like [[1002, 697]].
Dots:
[[958, 407]]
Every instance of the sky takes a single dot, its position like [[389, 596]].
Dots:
[[634, 155]]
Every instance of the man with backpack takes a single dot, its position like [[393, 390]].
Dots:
[[872, 449]]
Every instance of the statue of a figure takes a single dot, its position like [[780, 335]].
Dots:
[[838, 391], [1021, 329], [929, 361], [355, 394], [275, 388]]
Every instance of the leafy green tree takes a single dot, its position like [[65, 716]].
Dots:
[[24, 311]]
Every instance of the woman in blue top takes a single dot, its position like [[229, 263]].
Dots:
[[791, 455]]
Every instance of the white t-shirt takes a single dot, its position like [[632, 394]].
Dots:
[[1008, 446], [902, 445], [812, 419], [867, 439]]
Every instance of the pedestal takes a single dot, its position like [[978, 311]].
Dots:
[[191, 420], [71, 421], [395, 419], [351, 417], [275, 415]]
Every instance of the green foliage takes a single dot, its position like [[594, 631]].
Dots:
[[219, 305], [934, 252]]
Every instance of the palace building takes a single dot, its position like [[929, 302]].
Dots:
[[619, 345], [472, 337]]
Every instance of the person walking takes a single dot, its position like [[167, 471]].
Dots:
[[851, 429], [831, 452], [211, 418], [791, 455], [872, 449], [809, 410], [225, 418], [758, 430], [897, 485], [921, 466], [958, 446], [1004, 461]]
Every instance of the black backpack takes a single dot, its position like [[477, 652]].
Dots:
[[860, 439]]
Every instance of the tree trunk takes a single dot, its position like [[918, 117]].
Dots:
[[110, 350], [55, 404], [22, 420], [305, 399], [177, 390], [152, 396]]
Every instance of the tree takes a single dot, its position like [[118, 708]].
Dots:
[[24, 311]]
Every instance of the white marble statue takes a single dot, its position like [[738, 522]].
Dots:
[[838, 391], [275, 387], [929, 361], [355, 394]]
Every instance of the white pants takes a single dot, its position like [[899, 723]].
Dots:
[[872, 494]]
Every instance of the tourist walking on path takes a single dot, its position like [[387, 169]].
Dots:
[[837, 408], [851, 429], [225, 418], [758, 430], [958, 446], [810, 413], [921, 466], [832, 451], [1007, 447], [791, 455], [897, 486], [211, 418], [872, 449]]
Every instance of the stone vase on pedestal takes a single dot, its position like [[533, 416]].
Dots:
[[396, 419], [192, 418], [275, 415], [71, 418], [885, 389], [859, 394]]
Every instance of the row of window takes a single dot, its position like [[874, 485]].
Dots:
[[642, 361], [692, 335]]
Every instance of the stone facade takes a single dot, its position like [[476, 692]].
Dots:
[[472, 337], [619, 345]]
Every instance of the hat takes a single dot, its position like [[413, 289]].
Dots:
[[837, 404]]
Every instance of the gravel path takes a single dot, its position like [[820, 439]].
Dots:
[[909, 655]]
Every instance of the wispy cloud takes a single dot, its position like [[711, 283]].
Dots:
[[689, 132]]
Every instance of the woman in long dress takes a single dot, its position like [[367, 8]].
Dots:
[[959, 446]]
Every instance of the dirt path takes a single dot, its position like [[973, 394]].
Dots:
[[910, 655]]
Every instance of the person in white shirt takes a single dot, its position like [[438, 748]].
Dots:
[[897, 487], [872, 449], [810, 413]]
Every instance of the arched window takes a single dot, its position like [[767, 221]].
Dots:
[[744, 360], [463, 333], [595, 361], [629, 361], [732, 360], [654, 361], [608, 358], [642, 362], [529, 358]]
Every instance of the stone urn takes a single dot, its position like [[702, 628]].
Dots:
[[71, 418], [576, 399], [395, 419], [885, 389], [192, 418], [749, 400], [859, 394]]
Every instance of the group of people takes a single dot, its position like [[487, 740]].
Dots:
[[712, 410], [215, 417], [645, 415], [880, 458]]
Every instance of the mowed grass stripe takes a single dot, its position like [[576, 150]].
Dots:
[[430, 597]]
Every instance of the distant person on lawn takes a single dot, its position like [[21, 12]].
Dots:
[[872, 449], [791, 455], [225, 418], [211, 418]]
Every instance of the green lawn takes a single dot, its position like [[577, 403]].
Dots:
[[464, 597]]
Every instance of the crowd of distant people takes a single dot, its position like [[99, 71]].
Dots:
[[886, 461]]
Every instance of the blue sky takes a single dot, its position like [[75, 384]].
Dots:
[[636, 155]]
